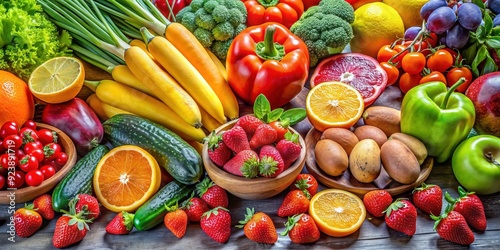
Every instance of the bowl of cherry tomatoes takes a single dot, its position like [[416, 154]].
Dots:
[[34, 157]]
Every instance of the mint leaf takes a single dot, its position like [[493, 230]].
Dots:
[[274, 115], [261, 106], [295, 115]]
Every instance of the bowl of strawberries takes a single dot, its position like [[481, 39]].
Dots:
[[258, 155]]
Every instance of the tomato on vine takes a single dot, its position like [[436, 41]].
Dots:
[[432, 76], [413, 62], [455, 73], [440, 60], [408, 81], [402, 51], [385, 53], [392, 72]]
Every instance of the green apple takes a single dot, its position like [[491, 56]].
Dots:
[[476, 164]]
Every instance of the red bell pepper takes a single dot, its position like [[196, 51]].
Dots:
[[285, 12], [170, 8], [267, 59]]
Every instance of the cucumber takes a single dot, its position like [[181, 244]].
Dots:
[[172, 152], [78, 180], [153, 211]]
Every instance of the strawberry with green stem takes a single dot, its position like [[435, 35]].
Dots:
[[451, 226], [301, 229], [88, 204], [428, 198], [212, 194], [245, 164], [27, 221], [216, 223], [122, 223], [271, 164], [305, 182], [176, 220], [71, 227], [401, 216], [289, 148], [470, 206], [195, 207], [295, 202], [377, 201], [258, 227], [218, 151]]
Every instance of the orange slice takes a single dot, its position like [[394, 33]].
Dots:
[[125, 178], [57, 80], [337, 212], [334, 105]]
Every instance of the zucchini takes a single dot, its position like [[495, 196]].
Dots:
[[153, 211], [78, 180], [172, 152]]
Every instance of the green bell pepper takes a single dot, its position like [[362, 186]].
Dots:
[[440, 118]]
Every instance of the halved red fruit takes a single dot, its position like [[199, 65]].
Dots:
[[360, 71]]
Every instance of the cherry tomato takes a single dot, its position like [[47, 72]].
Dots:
[[28, 134], [421, 47], [2, 182], [392, 72], [38, 154], [9, 128], [62, 159], [413, 62], [19, 155], [28, 163], [385, 53], [51, 163], [46, 136], [48, 171], [441, 60], [15, 179], [52, 150], [408, 81], [455, 74], [8, 160], [34, 177], [432, 77], [281, 129], [30, 124], [13, 142], [399, 48], [30, 146], [431, 39]]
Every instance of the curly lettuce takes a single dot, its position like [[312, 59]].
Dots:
[[28, 38]]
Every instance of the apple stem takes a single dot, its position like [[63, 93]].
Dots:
[[489, 157]]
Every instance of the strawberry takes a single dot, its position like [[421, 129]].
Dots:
[[377, 201], [43, 204], [195, 207], [212, 194], [27, 221], [305, 182], [264, 135], [258, 227], [249, 123], [451, 226], [470, 206], [401, 216], [245, 163], [428, 198], [122, 223], [216, 223], [218, 151], [295, 202], [89, 204], [271, 164], [71, 227], [236, 139], [289, 148], [176, 220], [301, 229]]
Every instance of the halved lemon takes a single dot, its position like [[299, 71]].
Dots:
[[125, 178], [57, 80], [334, 105], [337, 212]]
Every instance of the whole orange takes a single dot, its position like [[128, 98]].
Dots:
[[16, 100]]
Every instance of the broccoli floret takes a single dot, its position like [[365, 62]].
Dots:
[[214, 22], [325, 28]]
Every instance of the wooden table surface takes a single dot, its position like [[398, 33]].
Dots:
[[373, 234]]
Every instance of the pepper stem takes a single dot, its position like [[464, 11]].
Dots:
[[268, 3], [268, 49], [460, 81]]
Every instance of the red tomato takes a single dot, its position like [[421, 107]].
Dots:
[[38, 153], [46, 136], [408, 81], [455, 74], [413, 62], [441, 60], [400, 49], [34, 177], [16, 179], [13, 142], [385, 53], [28, 163], [30, 124], [8, 160], [52, 150], [392, 72], [48, 171], [20, 154], [280, 128], [28, 134], [51, 163], [30, 146], [431, 39], [421, 47], [62, 159], [432, 77], [9, 128], [2, 182], [305, 181]]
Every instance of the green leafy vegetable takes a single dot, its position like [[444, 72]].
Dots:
[[28, 38]]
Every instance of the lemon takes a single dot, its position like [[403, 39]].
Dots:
[[375, 25], [57, 80], [409, 10]]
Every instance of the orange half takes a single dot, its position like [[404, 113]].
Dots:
[[334, 105], [337, 212], [125, 178]]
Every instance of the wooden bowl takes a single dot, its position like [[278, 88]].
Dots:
[[252, 188], [347, 182], [29, 193]]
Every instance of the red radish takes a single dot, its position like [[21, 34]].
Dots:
[[360, 71], [78, 121]]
